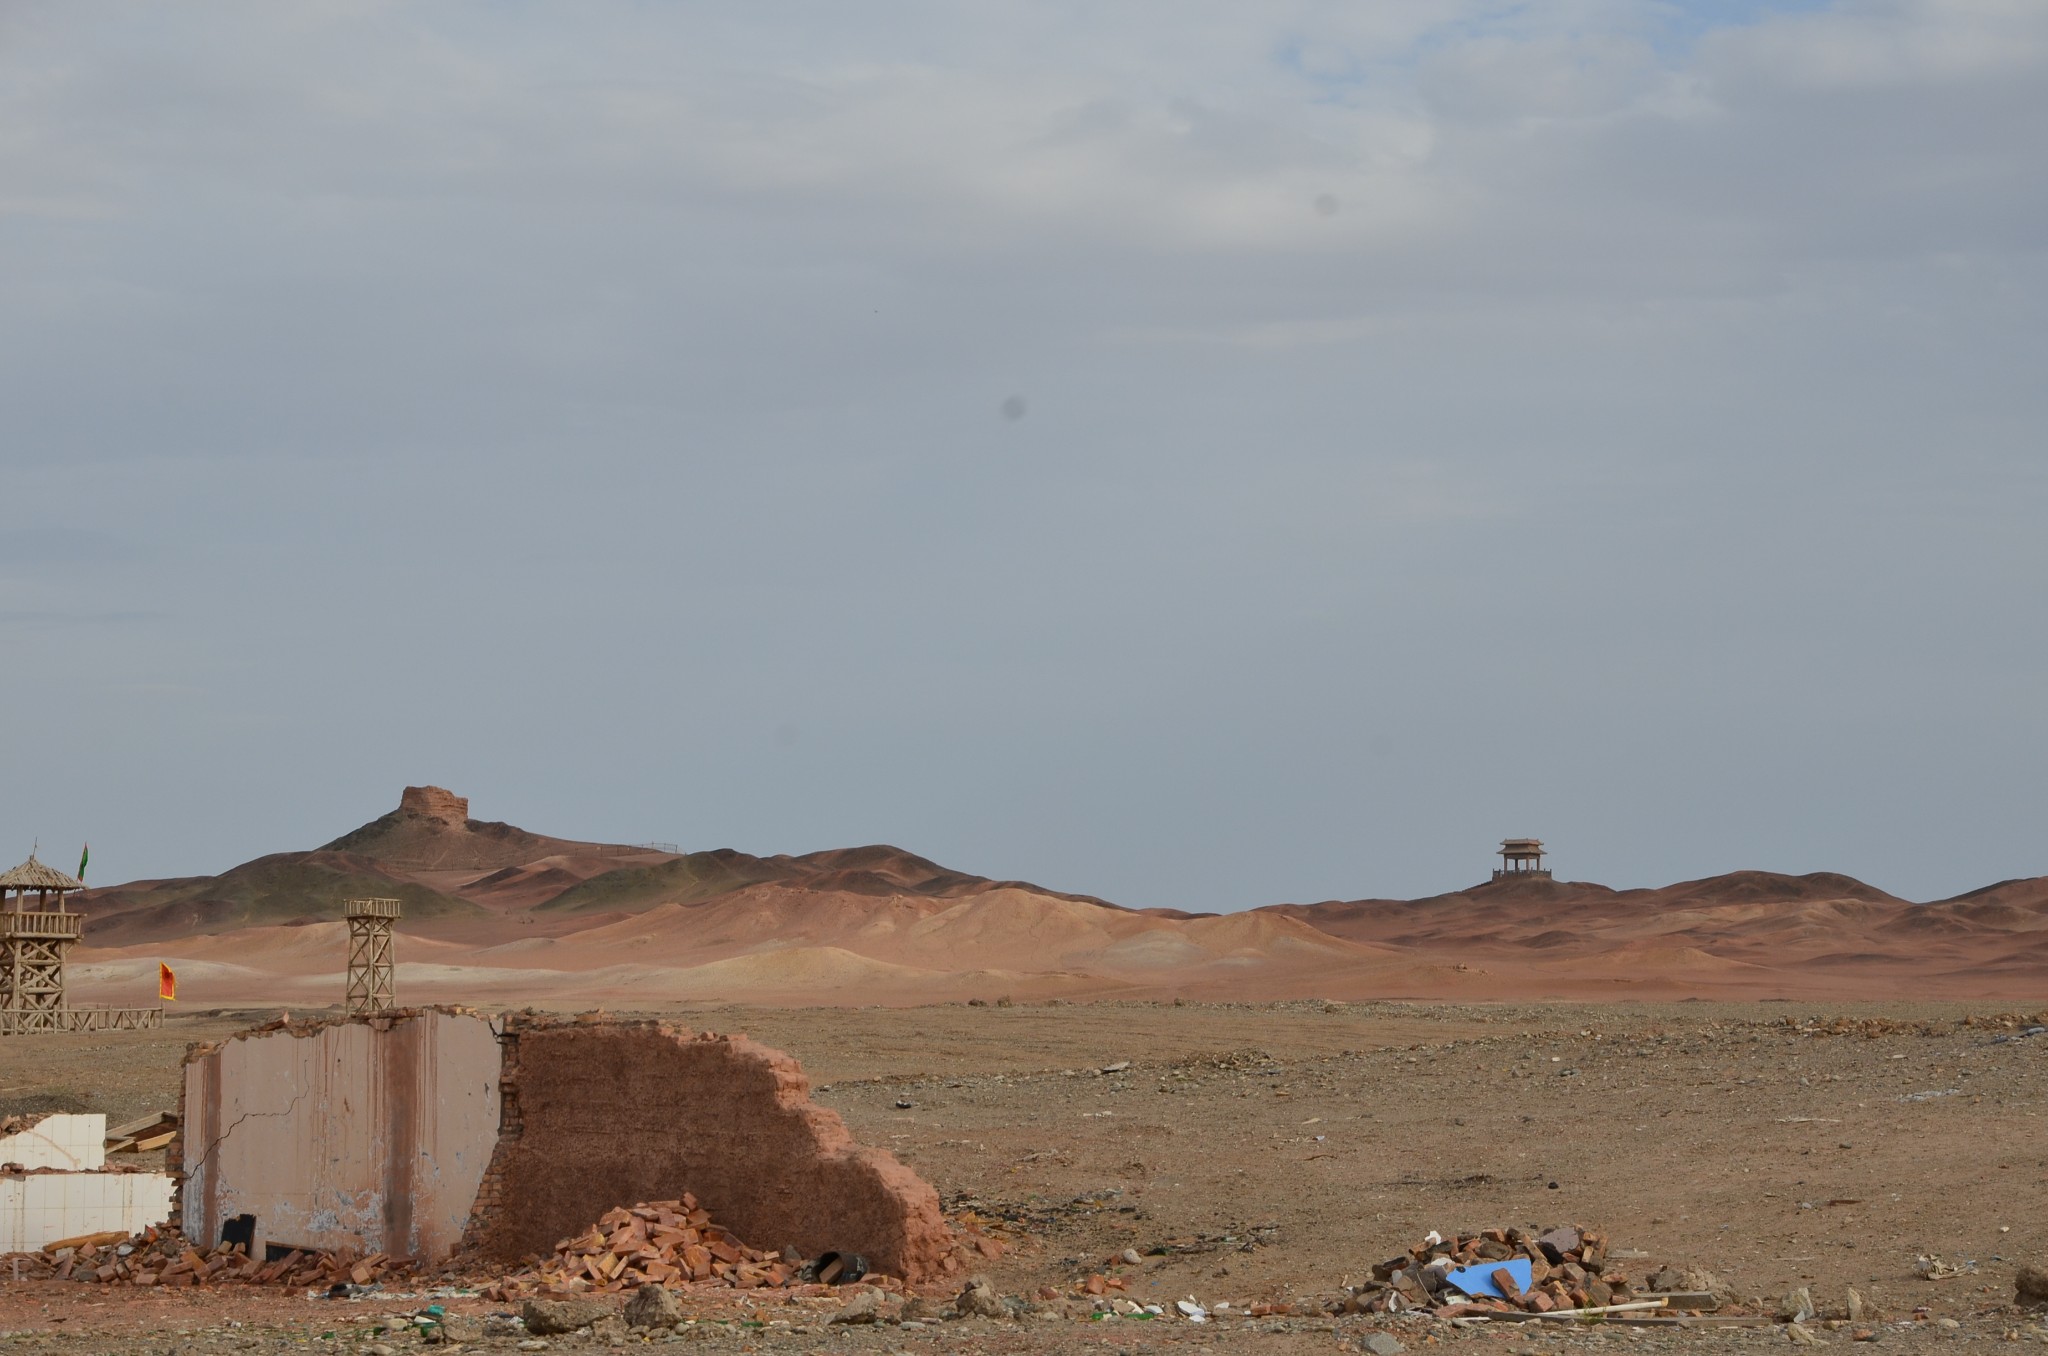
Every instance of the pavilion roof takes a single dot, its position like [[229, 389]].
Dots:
[[33, 875]]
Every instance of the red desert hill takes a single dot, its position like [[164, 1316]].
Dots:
[[493, 908]]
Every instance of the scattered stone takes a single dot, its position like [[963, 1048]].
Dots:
[[1796, 1307], [1382, 1344], [2030, 1287], [652, 1306], [865, 1306], [1130, 1257], [1855, 1306], [1555, 1243], [547, 1318], [451, 1328], [1801, 1334], [980, 1300], [611, 1330], [1680, 1280], [1947, 1324]]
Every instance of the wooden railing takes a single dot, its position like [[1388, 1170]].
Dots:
[[47, 927], [372, 908], [21, 1021]]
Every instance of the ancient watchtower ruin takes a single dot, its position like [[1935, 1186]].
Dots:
[[371, 987], [1522, 859], [37, 928]]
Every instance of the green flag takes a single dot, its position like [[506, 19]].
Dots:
[[83, 853]]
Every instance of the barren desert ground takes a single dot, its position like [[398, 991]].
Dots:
[[1274, 1152]]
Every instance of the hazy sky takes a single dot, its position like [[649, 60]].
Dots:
[[1201, 454]]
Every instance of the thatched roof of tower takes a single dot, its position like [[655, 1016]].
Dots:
[[33, 875]]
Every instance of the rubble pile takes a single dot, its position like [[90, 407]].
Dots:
[[1567, 1269], [164, 1257], [2006, 1021], [660, 1242]]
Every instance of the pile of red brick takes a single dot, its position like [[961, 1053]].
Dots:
[[1568, 1267], [667, 1242], [163, 1257]]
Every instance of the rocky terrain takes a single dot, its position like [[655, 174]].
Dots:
[[1270, 1155]]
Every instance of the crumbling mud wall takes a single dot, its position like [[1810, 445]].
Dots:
[[366, 1135], [603, 1114]]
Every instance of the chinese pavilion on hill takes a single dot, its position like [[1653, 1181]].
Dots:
[[1522, 859]]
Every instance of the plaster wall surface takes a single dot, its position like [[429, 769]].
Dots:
[[73, 1143], [43, 1207], [368, 1135]]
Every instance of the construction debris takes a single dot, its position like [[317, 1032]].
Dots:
[[163, 1257], [1561, 1272], [669, 1243], [655, 1245], [146, 1135]]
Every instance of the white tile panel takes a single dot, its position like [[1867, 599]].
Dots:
[[43, 1207], [72, 1143]]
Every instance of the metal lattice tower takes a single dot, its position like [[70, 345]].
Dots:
[[370, 987], [34, 939]]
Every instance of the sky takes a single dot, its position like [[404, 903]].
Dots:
[[1197, 454]]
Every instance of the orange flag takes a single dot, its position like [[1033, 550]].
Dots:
[[166, 982]]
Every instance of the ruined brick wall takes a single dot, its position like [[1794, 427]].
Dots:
[[596, 1115], [432, 802]]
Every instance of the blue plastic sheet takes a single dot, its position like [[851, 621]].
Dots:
[[1477, 1281]]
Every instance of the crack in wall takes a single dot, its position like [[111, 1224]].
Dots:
[[213, 1145], [376, 1139]]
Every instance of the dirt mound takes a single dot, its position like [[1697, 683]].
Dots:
[[680, 880], [286, 888], [431, 830], [877, 872], [2026, 892], [1513, 889], [1770, 887]]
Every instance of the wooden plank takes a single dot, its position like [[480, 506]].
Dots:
[[1691, 1299], [150, 1124]]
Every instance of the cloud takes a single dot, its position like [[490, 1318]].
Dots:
[[631, 378]]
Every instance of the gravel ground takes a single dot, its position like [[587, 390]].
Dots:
[[1272, 1153]]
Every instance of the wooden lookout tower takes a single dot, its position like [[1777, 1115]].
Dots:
[[370, 983], [1522, 859], [36, 932]]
